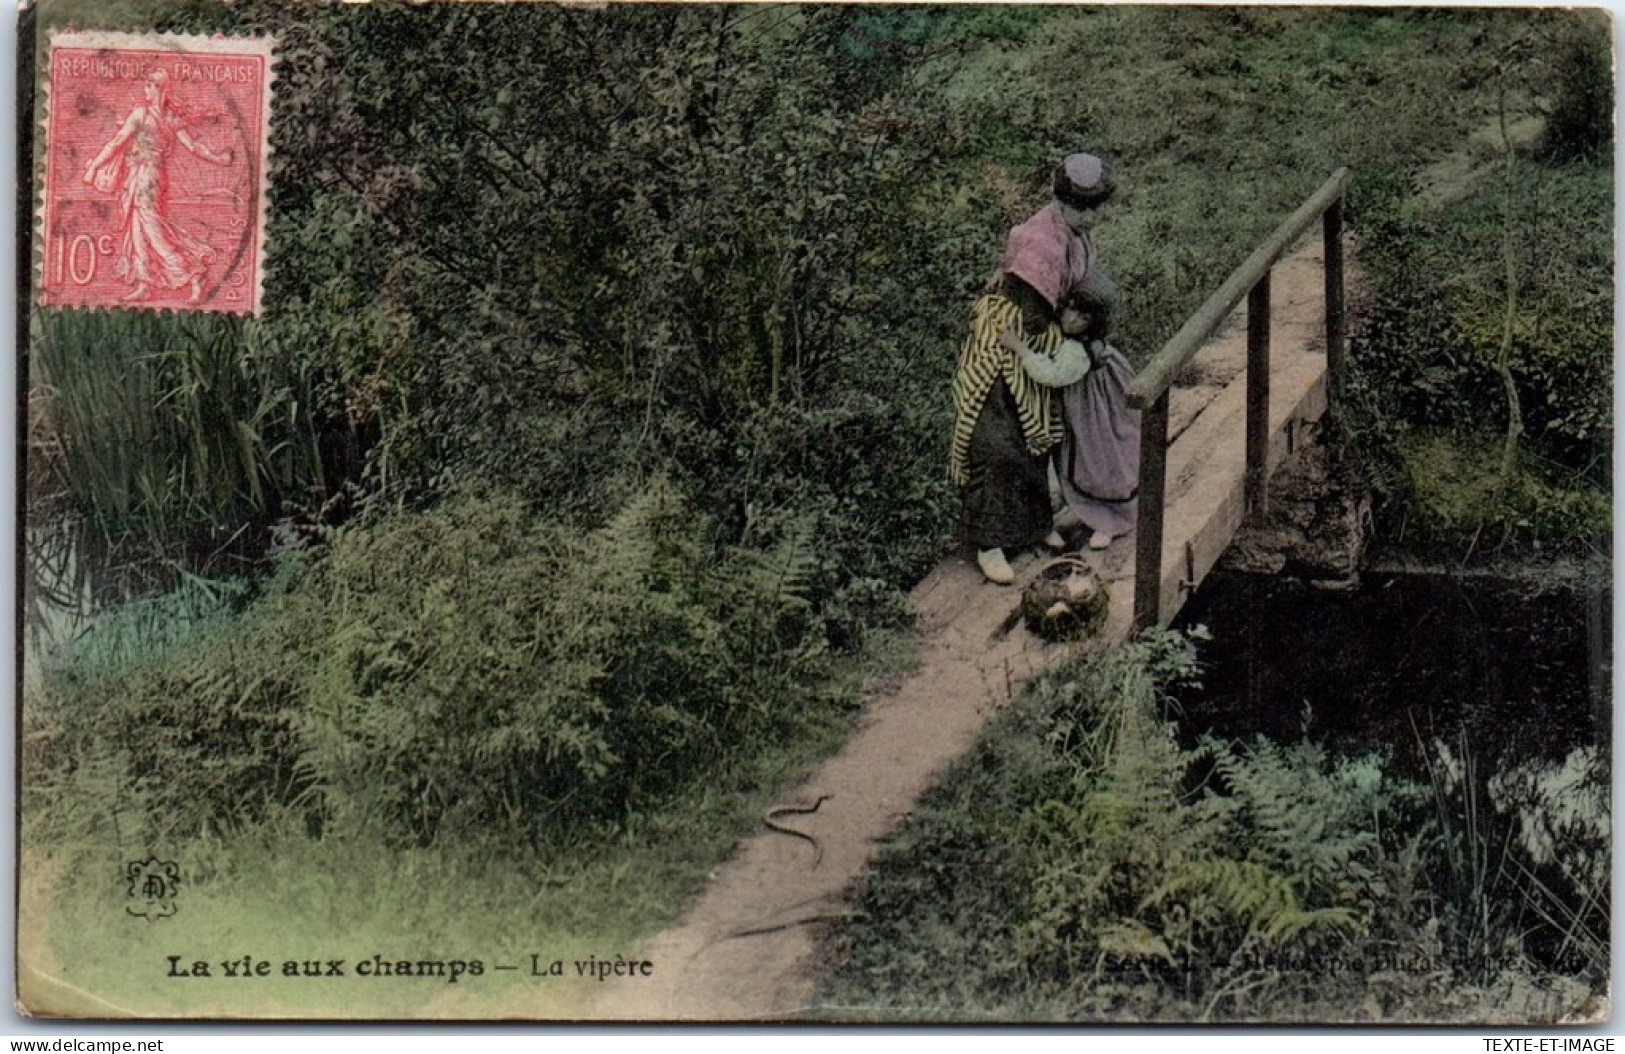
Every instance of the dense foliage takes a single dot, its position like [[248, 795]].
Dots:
[[556, 253], [559, 253], [557, 250], [1431, 408], [466, 669], [1482, 382]]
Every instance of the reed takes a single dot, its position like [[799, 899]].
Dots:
[[162, 441]]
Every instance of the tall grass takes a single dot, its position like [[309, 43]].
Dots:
[[160, 442]]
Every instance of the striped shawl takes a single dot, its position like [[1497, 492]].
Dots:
[[981, 361]]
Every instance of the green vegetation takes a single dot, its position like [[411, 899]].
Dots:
[[277, 892], [155, 435], [460, 669], [1491, 320], [1432, 401], [1455, 491], [1079, 864], [596, 425]]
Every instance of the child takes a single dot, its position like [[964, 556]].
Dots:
[[1098, 461]]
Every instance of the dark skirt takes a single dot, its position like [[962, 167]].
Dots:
[[1006, 488]]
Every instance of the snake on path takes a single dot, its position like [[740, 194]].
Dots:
[[771, 816]]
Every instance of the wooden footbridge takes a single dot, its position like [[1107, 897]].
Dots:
[[1230, 397]]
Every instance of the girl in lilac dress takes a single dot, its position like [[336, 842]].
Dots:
[[1098, 459]]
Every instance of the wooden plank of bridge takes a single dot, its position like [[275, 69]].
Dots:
[[743, 950]]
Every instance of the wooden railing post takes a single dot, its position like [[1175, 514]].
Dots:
[[1148, 529], [1148, 392], [1336, 337], [1258, 395]]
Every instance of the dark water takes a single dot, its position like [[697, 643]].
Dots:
[[1490, 689], [1520, 669]]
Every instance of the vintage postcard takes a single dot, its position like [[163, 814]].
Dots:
[[816, 513]]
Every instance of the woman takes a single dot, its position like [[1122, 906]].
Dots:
[[1098, 459], [1005, 414], [153, 251]]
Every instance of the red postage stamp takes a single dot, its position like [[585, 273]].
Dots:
[[155, 171]]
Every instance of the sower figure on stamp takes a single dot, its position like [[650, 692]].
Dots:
[[153, 250], [1006, 420], [1098, 458]]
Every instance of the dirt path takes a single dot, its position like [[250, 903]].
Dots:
[[744, 950]]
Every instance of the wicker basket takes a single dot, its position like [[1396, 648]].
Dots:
[[1066, 601]]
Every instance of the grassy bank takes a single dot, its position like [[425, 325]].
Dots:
[[278, 894], [384, 752]]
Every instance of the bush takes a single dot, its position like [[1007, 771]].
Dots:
[[1272, 859], [1581, 124], [195, 740], [464, 669], [1455, 494]]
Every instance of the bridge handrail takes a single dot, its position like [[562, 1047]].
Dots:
[[1149, 391], [1160, 372]]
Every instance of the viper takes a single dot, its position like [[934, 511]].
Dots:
[[771, 816]]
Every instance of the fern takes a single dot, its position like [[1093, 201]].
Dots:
[[1264, 901], [1319, 819], [1138, 861], [783, 575]]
